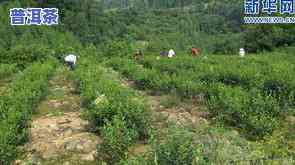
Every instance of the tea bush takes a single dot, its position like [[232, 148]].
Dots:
[[246, 72], [256, 114], [105, 97], [16, 107], [23, 55], [140, 75], [117, 138], [178, 148], [266, 72], [117, 48], [144, 78], [114, 108], [202, 145], [152, 79]]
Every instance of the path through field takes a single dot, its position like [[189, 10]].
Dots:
[[58, 135]]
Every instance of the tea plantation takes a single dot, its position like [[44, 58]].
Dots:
[[249, 101], [122, 103]]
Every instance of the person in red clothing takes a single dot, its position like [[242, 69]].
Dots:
[[196, 52]]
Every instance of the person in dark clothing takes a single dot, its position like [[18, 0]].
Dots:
[[164, 53]]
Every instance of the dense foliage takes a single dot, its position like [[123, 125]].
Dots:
[[23, 45], [215, 26]]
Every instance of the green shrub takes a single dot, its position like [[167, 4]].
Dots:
[[117, 137], [134, 113], [104, 97], [177, 149], [228, 104], [8, 150], [117, 48], [256, 114], [263, 115], [130, 69], [208, 144], [26, 54]]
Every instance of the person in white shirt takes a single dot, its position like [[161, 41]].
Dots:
[[242, 52], [71, 61], [171, 53]]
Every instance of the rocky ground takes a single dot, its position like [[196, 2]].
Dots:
[[183, 114], [58, 134]]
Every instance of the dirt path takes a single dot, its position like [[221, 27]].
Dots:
[[58, 135], [169, 108]]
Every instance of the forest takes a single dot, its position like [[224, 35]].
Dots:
[[112, 108]]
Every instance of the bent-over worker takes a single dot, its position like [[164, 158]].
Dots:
[[171, 53], [71, 61]]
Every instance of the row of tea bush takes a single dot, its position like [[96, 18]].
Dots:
[[112, 109], [251, 109], [272, 74], [16, 105]]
